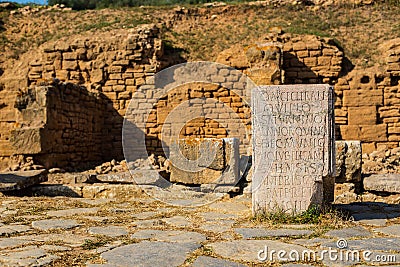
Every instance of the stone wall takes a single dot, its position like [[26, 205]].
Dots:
[[62, 125], [115, 65], [368, 102], [111, 64]]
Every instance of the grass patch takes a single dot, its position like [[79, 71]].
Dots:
[[93, 244], [314, 215]]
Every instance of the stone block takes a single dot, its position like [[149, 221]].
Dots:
[[357, 98], [27, 140], [350, 132], [373, 133], [205, 161], [18, 180], [362, 115], [69, 65], [293, 154], [387, 183], [348, 161]]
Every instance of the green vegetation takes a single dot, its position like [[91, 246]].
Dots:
[[314, 215]]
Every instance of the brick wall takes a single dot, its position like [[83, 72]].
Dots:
[[113, 67]]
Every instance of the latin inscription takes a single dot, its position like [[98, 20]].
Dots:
[[291, 132]]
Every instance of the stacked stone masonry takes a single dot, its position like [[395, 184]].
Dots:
[[368, 102], [113, 67]]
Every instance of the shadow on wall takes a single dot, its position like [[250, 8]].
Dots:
[[65, 125], [297, 72]]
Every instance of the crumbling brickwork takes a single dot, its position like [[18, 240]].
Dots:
[[62, 125], [368, 102], [112, 67]]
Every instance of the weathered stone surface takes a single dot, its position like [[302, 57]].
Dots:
[[217, 227], [371, 218], [357, 231], [148, 177], [111, 231], [30, 256], [377, 243], [21, 179], [71, 240], [392, 230], [348, 161], [247, 250], [13, 229], [230, 207], [179, 221], [311, 242], [145, 215], [57, 190], [170, 236], [205, 161], [45, 225], [13, 242], [293, 149], [216, 216], [248, 233], [149, 254], [389, 183], [71, 212], [204, 261]]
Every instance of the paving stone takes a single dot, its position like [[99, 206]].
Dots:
[[71, 212], [353, 208], [96, 218], [296, 265], [357, 231], [230, 207], [393, 230], [21, 179], [29, 256], [377, 243], [109, 246], [384, 258], [55, 248], [13, 229], [389, 183], [204, 261], [248, 233], [148, 253], [96, 201], [313, 242], [68, 239], [111, 231], [99, 265], [178, 221], [51, 224], [145, 215], [374, 222], [170, 236], [371, 218], [248, 250], [217, 228], [13, 242], [149, 223], [216, 216]]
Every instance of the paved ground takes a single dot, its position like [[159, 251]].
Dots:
[[42, 231]]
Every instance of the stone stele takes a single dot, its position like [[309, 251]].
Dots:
[[293, 147]]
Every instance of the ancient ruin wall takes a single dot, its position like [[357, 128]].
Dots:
[[368, 102], [112, 64], [366, 106]]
